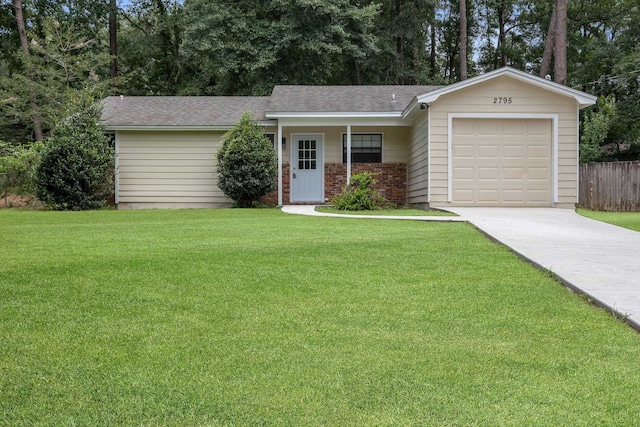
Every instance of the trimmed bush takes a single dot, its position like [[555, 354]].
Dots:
[[76, 169], [359, 195], [246, 163]]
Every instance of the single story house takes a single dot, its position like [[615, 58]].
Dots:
[[504, 138]]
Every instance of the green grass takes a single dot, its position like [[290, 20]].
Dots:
[[388, 212], [630, 220], [255, 317]]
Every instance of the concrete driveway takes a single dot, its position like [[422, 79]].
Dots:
[[595, 258]]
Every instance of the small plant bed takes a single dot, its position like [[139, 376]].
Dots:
[[385, 212], [630, 220]]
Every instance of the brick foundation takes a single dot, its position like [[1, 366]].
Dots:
[[272, 198], [391, 179]]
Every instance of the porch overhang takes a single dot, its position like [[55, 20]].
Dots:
[[391, 118]]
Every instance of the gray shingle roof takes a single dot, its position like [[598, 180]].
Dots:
[[208, 111], [339, 99], [196, 111]]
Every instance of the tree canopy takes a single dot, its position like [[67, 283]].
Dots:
[[245, 47]]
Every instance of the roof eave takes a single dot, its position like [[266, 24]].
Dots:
[[332, 114], [108, 127]]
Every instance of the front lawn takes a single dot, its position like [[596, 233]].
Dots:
[[255, 317], [630, 220]]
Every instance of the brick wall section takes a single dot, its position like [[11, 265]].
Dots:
[[391, 179], [272, 198]]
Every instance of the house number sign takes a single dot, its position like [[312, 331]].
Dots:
[[502, 100]]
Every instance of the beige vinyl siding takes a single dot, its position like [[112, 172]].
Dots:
[[395, 141], [417, 167], [168, 169], [526, 99]]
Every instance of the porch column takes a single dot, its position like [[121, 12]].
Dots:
[[279, 145], [348, 154]]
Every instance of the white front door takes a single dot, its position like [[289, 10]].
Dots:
[[307, 169]]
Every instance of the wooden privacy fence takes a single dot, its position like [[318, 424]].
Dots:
[[612, 186]]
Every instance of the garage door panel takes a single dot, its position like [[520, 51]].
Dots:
[[487, 128], [502, 162], [512, 196], [538, 128], [513, 173], [464, 128], [488, 151], [487, 195], [464, 173], [467, 151], [465, 196], [492, 173], [512, 151], [540, 174], [538, 152], [514, 128]]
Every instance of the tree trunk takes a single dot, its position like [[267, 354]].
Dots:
[[113, 39], [463, 39], [502, 35], [432, 54], [397, 6], [545, 66], [24, 44], [560, 60]]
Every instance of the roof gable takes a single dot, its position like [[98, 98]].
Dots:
[[583, 99]]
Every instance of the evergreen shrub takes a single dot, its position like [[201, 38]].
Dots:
[[76, 170], [246, 163], [360, 195]]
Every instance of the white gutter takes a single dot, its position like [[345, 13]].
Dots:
[[299, 114]]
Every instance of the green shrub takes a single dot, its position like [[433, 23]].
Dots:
[[18, 165], [246, 163], [359, 195], [595, 129], [76, 169]]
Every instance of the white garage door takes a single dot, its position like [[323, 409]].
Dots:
[[501, 162]]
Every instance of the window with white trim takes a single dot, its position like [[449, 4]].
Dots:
[[271, 137], [365, 148]]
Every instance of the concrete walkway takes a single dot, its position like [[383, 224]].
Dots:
[[597, 259], [311, 210]]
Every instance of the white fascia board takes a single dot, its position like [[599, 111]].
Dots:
[[168, 128], [583, 99], [313, 115], [410, 108], [344, 121]]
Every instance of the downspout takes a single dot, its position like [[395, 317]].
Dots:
[[279, 145], [348, 154], [116, 170]]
